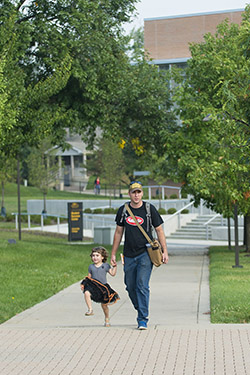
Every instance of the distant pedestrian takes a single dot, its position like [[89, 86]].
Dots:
[[97, 185], [137, 263], [95, 286]]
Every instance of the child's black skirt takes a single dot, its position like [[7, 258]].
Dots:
[[101, 293]]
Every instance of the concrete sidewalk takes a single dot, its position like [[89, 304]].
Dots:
[[55, 337]]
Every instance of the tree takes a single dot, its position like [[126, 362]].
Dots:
[[7, 173], [73, 71], [145, 107], [27, 115], [43, 170], [89, 31], [8, 112], [104, 89], [211, 157], [107, 162]]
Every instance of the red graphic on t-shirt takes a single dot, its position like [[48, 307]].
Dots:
[[131, 221]]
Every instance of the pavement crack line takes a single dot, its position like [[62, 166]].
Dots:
[[199, 294]]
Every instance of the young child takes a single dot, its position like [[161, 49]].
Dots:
[[95, 286]]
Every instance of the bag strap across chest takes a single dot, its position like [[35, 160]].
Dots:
[[139, 226], [148, 215]]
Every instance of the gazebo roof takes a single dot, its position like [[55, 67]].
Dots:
[[58, 151]]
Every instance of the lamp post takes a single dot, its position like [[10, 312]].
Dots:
[[18, 197], [237, 264], [3, 210]]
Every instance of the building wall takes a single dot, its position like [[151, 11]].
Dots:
[[169, 38]]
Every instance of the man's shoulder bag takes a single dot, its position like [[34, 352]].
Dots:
[[154, 247]]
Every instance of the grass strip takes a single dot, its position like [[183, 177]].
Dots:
[[29, 192], [229, 287], [36, 268]]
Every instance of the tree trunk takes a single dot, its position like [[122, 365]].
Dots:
[[44, 203], [19, 199], [2, 194], [247, 234], [3, 210], [244, 231]]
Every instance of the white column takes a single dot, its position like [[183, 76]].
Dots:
[[61, 177], [84, 159], [162, 191], [72, 166], [149, 192]]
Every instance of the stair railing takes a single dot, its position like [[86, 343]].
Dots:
[[178, 213], [208, 222]]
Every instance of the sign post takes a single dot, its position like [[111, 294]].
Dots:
[[141, 173], [75, 221]]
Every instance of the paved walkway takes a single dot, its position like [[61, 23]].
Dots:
[[55, 337]]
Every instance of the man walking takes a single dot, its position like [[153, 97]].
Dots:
[[137, 264]]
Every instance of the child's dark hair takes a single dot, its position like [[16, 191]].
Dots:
[[101, 250]]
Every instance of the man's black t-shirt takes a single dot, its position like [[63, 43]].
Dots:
[[135, 242]]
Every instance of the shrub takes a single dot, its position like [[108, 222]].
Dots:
[[24, 218], [47, 221], [171, 210], [35, 219], [185, 211], [10, 217], [162, 211], [87, 211], [173, 196], [108, 210], [184, 195], [97, 211]]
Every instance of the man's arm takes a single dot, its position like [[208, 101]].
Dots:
[[162, 239], [116, 242]]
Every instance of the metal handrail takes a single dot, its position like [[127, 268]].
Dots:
[[179, 213], [181, 209], [208, 222], [42, 219]]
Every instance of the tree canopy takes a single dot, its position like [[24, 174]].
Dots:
[[27, 114], [210, 147], [82, 43]]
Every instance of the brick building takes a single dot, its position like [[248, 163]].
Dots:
[[167, 38]]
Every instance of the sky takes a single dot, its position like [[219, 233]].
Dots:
[[166, 8]]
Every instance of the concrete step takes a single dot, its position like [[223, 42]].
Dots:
[[202, 222], [188, 236], [196, 229]]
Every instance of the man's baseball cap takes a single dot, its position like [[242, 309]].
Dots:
[[134, 186]]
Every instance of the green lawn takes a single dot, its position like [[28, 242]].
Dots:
[[229, 287], [40, 265], [26, 193], [36, 268]]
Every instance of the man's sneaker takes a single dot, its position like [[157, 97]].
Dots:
[[142, 326]]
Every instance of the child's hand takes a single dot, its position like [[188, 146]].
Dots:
[[112, 271], [82, 287]]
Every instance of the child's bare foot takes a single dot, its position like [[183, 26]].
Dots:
[[89, 312]]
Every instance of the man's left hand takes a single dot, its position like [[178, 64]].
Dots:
[[165, 258]]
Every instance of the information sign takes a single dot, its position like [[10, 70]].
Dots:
[[75, 221]]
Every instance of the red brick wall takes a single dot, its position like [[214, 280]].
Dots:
[[169, 38]]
